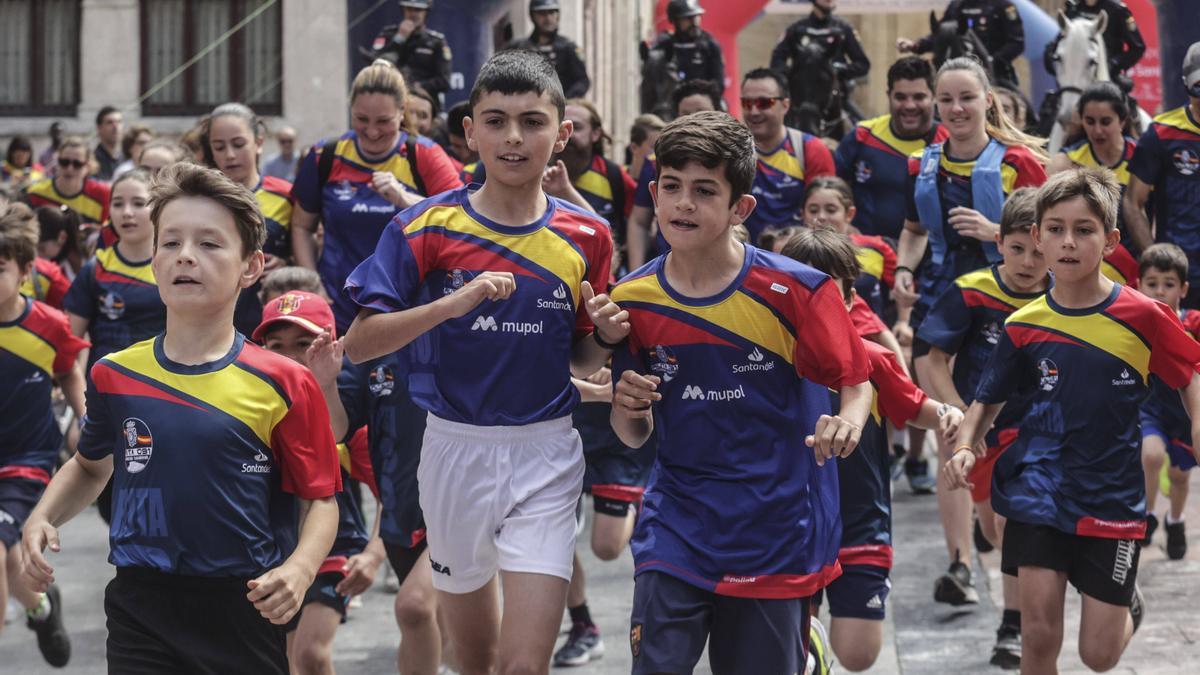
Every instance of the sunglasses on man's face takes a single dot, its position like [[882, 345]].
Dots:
[[761, 103], [68, 163]]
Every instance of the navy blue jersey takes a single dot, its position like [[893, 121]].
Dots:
[[1076, 465], [352, 534], [877, 259], [780, 177], [1163, 405], [207, 458], [1167, 158], [120, 300]]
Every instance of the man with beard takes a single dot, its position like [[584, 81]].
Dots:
[[563, 53]]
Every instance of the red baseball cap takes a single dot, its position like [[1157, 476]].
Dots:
[[307, 310]]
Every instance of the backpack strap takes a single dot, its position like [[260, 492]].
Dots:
[[410, 153], [325, 162], [929, 202], [797, 138]]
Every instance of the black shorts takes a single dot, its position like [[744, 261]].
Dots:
[[18, 496], [402, 558], [1102, 568], [166, 623], [861, 592], [615, 474], [673, 619], [324, 592]]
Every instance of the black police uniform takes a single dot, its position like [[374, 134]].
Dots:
[[565, 56], [998, 25], [423, 57], [1122, 39], [695, 58], [834, 34]]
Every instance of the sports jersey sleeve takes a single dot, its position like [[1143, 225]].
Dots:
[[864, 319], [641, 195], [81, 296], [828, 350], [1147, 162], [598, 273], [948, 322], [360, 460], [436, 169], [56, 293], [303, 444], [1003, 372], [306, 191], [818, 161], [899, 399], [390, 279], [889, 262], [95, 438], [1174, 355], [1029, 171], [352, 391], [846, 154], [66, 347]]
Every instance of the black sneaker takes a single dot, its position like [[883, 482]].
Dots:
[[52, 637], [583, 644], [1007, 652], [919, 480], [1137, 607], [981, 542], [955, 587], [1151, 526], [1176, 540]]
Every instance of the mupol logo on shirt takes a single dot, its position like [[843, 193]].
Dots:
[[695, 393], [489, 323], [1124, 380], [664, 364], [372, 208], [484, 323], [139, 444]]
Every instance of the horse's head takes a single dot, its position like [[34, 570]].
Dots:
[[1081, 58], [946, 39]]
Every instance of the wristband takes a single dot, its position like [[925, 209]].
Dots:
[[903, 268], [610, 346], [943, 409], [961, 448]]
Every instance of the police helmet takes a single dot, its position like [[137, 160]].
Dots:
[[543, 6], [417, 4], [681, 9]]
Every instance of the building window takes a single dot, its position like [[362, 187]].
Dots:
[[39, 57], [243, 65]]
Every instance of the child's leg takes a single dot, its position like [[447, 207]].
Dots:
[[1179, 491], [473, 621], [858, 606], [955, 509], [988, 522], [310, 648], [1043, 594], [1154, 453], [611, 534], [751, 635], [856, 642], [1104, 632], [533, 609], [577, 591], [420, 651]]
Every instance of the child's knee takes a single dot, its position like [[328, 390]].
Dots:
[[312, 656], [1099, 655], [607, 549], [856, 657], [415, 607], [1178, 477], [1039, 633]]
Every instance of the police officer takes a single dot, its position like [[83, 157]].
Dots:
[[420, 53], [563, 53], [998, 25], [1122, 38], [695, 54], [830, 32]]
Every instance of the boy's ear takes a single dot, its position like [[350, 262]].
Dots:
[[742, 208], [1111, 239], [1035, 233], [27, 270], [999, 239], [252, 269], [654, 193], [469, 133], [565, 129]]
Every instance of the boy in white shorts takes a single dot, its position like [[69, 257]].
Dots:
[[500, 290]]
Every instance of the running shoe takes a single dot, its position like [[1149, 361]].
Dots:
[[981, 542], [52, 638], [1007, 652], [1176, 539], [1151, 526], [1137, 607], [583, 645], [955, 586], [818, 649], [919, 480]]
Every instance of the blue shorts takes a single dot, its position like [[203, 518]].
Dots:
[[18, 496], [1178, 451], [672, 620], [860, 593], [615, 474]]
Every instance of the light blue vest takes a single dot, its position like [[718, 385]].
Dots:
[[987, 192]]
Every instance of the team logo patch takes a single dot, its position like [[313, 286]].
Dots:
[[1049, 374], [382, 382], [1124, 380], [290, 303], [455, 279], [139, 444], [1186, 161], [344, 190], [635, 640], [991, 333], [664, 363], [862, 171], [112, 305]]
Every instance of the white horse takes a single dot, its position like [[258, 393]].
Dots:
[[1080, 60]]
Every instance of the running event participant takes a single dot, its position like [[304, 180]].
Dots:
[[355, 183], [46, 282], [37, 351], [728, 360], [1167, 163], [19, 170], [1089, 345], [72, 187], [225, 469], [487, 281], [58, 239]]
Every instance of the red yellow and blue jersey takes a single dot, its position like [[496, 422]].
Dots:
[[20, 176], [736, 503], [1168, 159], [878, 262], [467, 174], [34, 349], [353, 212], [352, 534], [91, 203], [274, 197], [864, 478], [47, 283], [966, 321], [641, 194], [1076, 465], [780, 180], [1121, 267], [873, 160], [1163, 408], [1081, 153], [208, 459], [476, 369], [120, 300], [375, 394]]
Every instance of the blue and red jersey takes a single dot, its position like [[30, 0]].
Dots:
[[780, 180], [353, 213], [864, 478], [47, 283], [208, 459], [736, 503], [1076, 465], [274, 196], [91, 203], [873, 160], [34, 349], [1168, 159], [476, 369], [877, 259], [1163, 406], [120, 300], [352, 534]]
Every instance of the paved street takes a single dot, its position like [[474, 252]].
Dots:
[[921, 637]]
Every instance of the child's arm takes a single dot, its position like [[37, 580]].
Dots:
[[374, 334], [360, 569], [612, 326], [324, 358], [979, 419], [909, 251], [278, 593], [631, 417], [943, 417], [73, 385], [933, 369], [73, 488], [888, 340], [596, 388], [838, 435]]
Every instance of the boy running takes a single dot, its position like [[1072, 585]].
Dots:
[[729, 358], [1070, 485]]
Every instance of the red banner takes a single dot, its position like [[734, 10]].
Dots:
[[1147, 74]]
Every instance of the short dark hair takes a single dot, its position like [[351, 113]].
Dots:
[[1020, 211], [18, 234], [1098, 187], [105, 112], [643, 125], [828, 251], [1164, 257], [1105, 92], [768, 74], [710, 138], [57, 220], [692, 88], [17, 144], [455, 116], [910, 68], [519, 71], [190, 180]]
